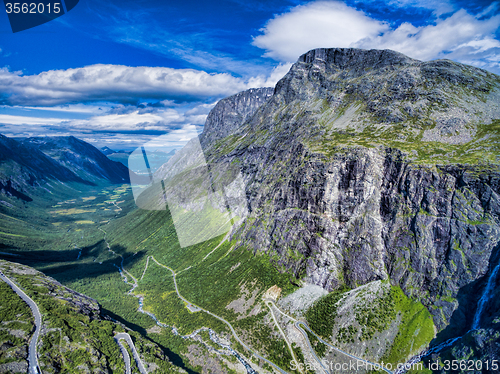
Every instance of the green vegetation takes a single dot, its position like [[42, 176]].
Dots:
[[483, 149], [160, 298], [77, 339], [13, 306], [374, 315], [16, 324], [319, 347], [321, 316], [416, 329], [210, 274], [82, 261], [377, 315]]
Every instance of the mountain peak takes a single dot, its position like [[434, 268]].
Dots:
[[230, 113], [354, 58]]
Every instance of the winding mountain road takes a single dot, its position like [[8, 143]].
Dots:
[[126, 356], [219, 318], [298, 325], [32, 352], [270, 306]]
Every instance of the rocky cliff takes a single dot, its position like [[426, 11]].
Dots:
[[230, 113], [81, 158], [368, 165]]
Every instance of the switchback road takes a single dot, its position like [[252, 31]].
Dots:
[[126, 357], [32, 353], [216, 316]]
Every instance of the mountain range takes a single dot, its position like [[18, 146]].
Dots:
[[372, 184], [367, 165], [27, 163]]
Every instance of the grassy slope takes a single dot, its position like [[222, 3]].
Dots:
[[14, 315], [483, 149], [72, 342], [53, 242], [415, 331]]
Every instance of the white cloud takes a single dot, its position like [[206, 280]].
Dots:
[[270, 81], [118, 83], [149, 121], [114, 83], [438, 7], [77, 108], [446, 38], [29, 120], [129, 122], [315, 25], [461, 36]]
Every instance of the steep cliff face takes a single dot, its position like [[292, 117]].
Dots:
[[346, 176], [230, 113]]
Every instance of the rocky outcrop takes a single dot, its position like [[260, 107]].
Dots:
[[347, 178], [230, 113]]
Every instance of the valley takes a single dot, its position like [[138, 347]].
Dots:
[[120, 269], [372, 232]]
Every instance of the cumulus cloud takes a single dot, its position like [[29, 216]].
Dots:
[[460, 36], [114, 83], [124, 84], [135, 121], [270, 81], [148, 121], [315, 25], [8, 119]]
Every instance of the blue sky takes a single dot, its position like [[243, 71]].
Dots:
[[120, 73]]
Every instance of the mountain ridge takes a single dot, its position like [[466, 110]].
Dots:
[[80, 157], [368, 165], [30, 164]]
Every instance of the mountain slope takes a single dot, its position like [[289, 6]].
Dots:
[[75, 336], [81, 158], [23, 166], [369, 165], [231, 112]]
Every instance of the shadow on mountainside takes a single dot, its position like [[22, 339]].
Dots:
[[66, 266], [468, 299]]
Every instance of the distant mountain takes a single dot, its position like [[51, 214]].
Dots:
[[23, 166], [81, 158], [28, 163], [107, 151]]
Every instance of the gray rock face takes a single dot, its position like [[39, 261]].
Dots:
[[230, 113], [332, 198], [355, 60]]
